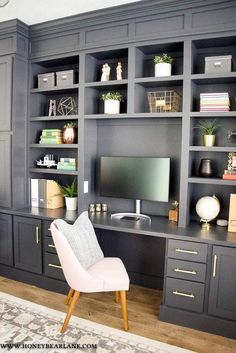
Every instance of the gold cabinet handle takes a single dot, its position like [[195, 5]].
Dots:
[[182, 294], [193, 272], [51, 246], [37, 238], [214, 265], [55, 266], [193, 252]]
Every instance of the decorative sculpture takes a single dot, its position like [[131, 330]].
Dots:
[[67, 106], [119, 71], [52, 108], [105, 72]]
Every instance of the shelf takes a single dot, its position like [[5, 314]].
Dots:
[[174, 80], [63, 145], [53, 171], [106, 83], [134, 116], [214, 78], [212, 149], [213, 114], [54, 118], [72, 88], [212, 181]]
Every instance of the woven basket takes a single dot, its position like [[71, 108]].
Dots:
[[164, 101]]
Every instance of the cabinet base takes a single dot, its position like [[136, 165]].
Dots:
[[200, 322]]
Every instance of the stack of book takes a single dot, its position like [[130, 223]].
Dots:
[[51, 136], [229, 175], [66, 164], [214, 102]]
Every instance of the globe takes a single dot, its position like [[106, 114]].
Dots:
[[208, 208]]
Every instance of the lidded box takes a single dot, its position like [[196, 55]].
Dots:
[[65, 78], [221, 64], [46, 80]]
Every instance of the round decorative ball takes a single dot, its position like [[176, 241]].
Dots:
[[208, 208]]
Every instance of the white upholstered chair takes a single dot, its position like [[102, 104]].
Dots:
[[108, 274]]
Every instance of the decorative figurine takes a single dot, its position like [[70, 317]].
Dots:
[[119, 71], [47, 162], [105, 72], [174, 213], [52, 108], [67, 106]]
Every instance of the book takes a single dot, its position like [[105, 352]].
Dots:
[[229, 176]]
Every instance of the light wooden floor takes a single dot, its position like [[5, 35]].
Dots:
[[143, 304]]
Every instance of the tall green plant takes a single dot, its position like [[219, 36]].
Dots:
[[70, 190]]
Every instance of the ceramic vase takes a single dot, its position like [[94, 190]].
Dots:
[[209, 140], [111, 106], [162, 69], [69, 135], [71, 203]]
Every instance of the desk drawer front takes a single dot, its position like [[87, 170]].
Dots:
[[46, 227], [186, 270], [49, 245], [185, 250], [184, 294], [52, 266]]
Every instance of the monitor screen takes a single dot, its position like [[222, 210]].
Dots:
[[138, 178]]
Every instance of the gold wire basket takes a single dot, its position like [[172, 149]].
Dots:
[[164, 101]]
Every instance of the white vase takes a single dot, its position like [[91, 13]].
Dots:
[[111, 106], [71, 203], [162, 69]]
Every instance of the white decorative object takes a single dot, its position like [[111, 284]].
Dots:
[[119, 71], [71, 203], [105, 72], [111, 106], [52, 108], [208, 208], [162, 69], [222, 222]]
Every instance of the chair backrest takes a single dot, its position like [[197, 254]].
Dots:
[[76, 276]]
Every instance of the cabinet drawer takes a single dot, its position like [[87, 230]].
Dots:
[[49, 245], [184, 294], [186, 250], [186, 270], [46, 227], [52, 266]]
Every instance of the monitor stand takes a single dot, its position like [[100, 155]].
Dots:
[[132, 216]]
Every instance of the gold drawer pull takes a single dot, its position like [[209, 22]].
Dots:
[[37, 239], [51, 246], [54, 266], [193, 252], [185, 271], [181, 294], [214, 266]]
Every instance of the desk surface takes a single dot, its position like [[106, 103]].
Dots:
[[159, 227]]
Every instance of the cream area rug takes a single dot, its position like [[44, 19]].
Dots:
[[31, 328]]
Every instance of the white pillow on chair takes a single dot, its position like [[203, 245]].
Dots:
[[82, 239]]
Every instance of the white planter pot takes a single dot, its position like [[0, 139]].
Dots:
[[162, 69], [71, 203], [111, 106]]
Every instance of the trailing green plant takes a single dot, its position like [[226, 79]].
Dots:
[[163, 58], [70, 124], [70, 190], [207, 127], [112, 96]]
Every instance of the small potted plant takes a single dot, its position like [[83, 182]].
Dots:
[[207, 129], [70, 132], [112, 102], [70, 193], [163, 65]]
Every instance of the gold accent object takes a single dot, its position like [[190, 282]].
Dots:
[[164, 101], [193, 252], [189, 295], [209, 140], [185, 271], [54, 266], [37, 235], [51, 246], [214, 265]]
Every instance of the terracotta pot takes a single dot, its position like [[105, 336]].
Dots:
[[69, 135]]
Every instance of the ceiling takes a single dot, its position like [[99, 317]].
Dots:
[[36, 11]]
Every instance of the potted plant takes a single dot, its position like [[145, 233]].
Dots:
[[70, 193], [70, 132], [163, 65], [207, 129], [112, 102]]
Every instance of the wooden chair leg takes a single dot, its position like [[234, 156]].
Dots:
[[69, 296], [117, 296], [70, 311], [124, 309]]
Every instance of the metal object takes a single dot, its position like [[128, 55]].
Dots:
[[185, 271], [214, 265], [98, 207], [209, 140], [181, 294], [91, 208], [37, 235], [51, 246], [104, 207], [193, 252], [55, 266], [206, 168]]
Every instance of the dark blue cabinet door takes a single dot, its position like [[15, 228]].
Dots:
[[222, 298], [6, 244], [27, 244]]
